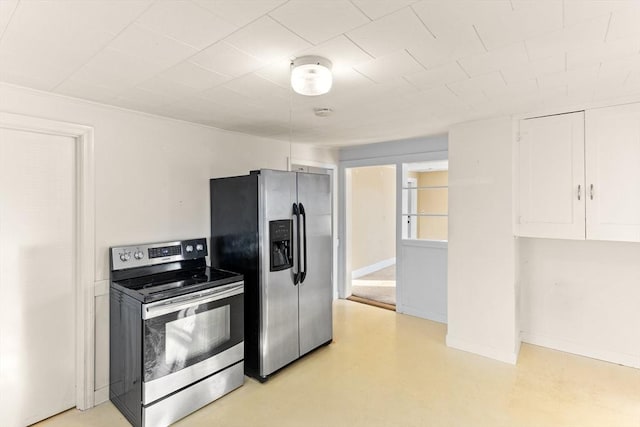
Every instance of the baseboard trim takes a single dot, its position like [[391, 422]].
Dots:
[[581, 350], [101, 395], [372, 268], [490, 352], [435, 317]]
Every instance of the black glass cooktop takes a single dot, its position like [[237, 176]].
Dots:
[[166, 285]]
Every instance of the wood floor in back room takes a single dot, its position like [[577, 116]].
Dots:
[[388, 369]]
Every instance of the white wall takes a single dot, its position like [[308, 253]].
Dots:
[[373, 219], [482, 271], [582, 297], [151, 178], [391, 149]]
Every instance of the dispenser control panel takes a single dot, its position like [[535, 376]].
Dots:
[[281, 244]]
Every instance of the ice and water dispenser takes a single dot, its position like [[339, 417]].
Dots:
[[280, 237]]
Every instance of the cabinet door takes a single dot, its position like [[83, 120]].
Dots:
[[613, 169], [551, 191]]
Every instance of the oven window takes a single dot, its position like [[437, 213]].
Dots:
[[192, 335], [182, 338]]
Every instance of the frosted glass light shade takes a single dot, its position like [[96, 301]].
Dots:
[[311, 75]]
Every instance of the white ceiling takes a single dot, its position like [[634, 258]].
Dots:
[[402, 68]]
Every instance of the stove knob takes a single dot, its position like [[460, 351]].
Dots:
[[200, 246], [138, 255], [127, 256], [189, 248], [123, 257]]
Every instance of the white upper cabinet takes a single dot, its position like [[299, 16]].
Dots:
[[613, 173], [551, 191], [579, 175]]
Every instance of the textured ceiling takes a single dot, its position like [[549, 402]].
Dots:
[[401, 68]]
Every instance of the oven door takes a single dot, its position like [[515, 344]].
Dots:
[[190, 337]]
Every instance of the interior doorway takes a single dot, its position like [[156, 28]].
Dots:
[[372, 219], [421, 180]]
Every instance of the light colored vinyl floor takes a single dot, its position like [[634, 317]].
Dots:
[[388, 369]]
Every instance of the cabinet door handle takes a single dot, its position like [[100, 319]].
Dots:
[[591, 191], [579, 191]]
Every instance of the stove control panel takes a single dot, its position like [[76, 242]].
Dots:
[[165, 251], [123, 257]]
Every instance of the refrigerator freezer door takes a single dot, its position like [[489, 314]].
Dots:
[[279, 343], [316, 291]]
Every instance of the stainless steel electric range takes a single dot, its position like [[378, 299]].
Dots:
[[176, 331]]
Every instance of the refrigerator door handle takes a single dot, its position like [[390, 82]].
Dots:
[[303, 274], [296, 213]]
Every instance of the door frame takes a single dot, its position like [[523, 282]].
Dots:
[[344, 179], [85, 242]]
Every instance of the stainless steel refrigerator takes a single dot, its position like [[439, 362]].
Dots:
[[275, 228]]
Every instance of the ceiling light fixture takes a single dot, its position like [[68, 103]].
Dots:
[[311, 75]]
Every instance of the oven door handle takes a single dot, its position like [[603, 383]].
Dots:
[[149, 311]]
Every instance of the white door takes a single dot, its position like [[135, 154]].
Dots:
[[551, 190], [37, 276], [613, 173], [422, 263]]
